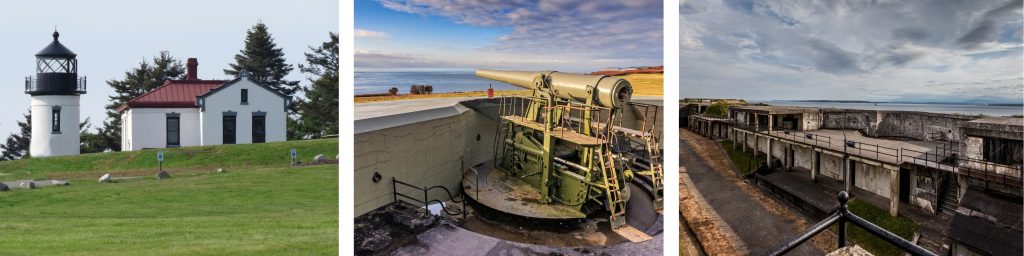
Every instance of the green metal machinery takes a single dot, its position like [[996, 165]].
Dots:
[[559, 141]]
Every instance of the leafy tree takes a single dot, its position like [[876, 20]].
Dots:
[[318, 115], [718, 109], [137, 81], [16, 146], [264, 61]]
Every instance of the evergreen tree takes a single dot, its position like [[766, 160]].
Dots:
[[91, 142], [16, 146], [137, 81], [318, 114], [264, 61]]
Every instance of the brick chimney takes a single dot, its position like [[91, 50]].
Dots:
[[193, 64]]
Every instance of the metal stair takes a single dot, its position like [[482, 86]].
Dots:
[[949, 202], [616, 204], [656, 170]]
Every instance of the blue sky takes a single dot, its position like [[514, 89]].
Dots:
[[574, 36], [935, 50], [112, 36]]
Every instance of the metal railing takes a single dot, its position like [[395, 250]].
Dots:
[[426, 197], [840, 217], [31, 84], [944, 157]]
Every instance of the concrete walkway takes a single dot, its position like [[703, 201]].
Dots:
[[451, 240], [758, 227]]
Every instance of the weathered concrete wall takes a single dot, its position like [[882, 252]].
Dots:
[[832, 166], [904, 124], [923, 188], [762, 144], [426, 153], [874, 179], [427, 148], [803, 157], [779, 151], [865, 120], [811, 121]]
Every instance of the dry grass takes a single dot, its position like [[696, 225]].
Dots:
[[647, 84], [643, 84], [438, 95]]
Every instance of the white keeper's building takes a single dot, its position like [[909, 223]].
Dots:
[[194, 112]]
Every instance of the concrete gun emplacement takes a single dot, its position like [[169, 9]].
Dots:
[[605, 91]]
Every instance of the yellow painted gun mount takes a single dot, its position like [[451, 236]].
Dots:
[[605, 91]]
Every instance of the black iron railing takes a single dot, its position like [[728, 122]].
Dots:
[[841, 216], [33, 84], [426, 197]]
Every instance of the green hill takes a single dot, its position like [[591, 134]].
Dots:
[[176, 160], [260, 206]]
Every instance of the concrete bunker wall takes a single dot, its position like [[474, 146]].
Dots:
[[874, 179], [832, 166], [811, 121], [779, 150], [426, 153], [427, 148], [803, 157], [903, 124], [924, 187]]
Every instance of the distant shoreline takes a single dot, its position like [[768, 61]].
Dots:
[[903, 102]]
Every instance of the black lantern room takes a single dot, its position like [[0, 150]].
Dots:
[[56, 72]]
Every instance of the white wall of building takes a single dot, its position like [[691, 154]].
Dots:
[[147, 127], [229, 99], [44, 142]]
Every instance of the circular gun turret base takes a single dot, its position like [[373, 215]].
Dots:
[[511, 195]]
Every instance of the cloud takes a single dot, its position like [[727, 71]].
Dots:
[[595, 30], [872, 50], [378, 59], [363, 33]]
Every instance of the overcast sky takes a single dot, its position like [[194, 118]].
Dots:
[[457, 34], [113, 36], [942, 50]]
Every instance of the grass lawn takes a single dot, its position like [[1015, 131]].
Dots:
[[900, 226], [262, 211], [177, 160], [260, 206], [741, 159]]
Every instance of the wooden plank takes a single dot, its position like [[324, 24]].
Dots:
[[632, 234], [557, 132]]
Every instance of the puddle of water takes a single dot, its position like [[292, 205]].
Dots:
[[435, 208]]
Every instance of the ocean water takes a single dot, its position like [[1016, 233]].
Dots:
[[443, 81], [923, 107]]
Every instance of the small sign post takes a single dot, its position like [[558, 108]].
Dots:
[[294, 154], [160, 159]]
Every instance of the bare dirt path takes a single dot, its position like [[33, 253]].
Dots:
[[760, 222]]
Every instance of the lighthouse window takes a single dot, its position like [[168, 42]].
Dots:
[[56, 66], [245, 96], [56, 119]]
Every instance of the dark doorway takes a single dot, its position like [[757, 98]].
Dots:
[[904, 185], [229, 129], [853, 174], [259, 131], [173, 131]]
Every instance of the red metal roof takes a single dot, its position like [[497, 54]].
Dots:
[[173, 94]]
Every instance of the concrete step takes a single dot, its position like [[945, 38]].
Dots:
[[931, 244]]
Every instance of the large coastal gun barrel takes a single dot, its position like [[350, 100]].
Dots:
[[606, 91]]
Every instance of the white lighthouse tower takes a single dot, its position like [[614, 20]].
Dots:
[[55, 92]]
